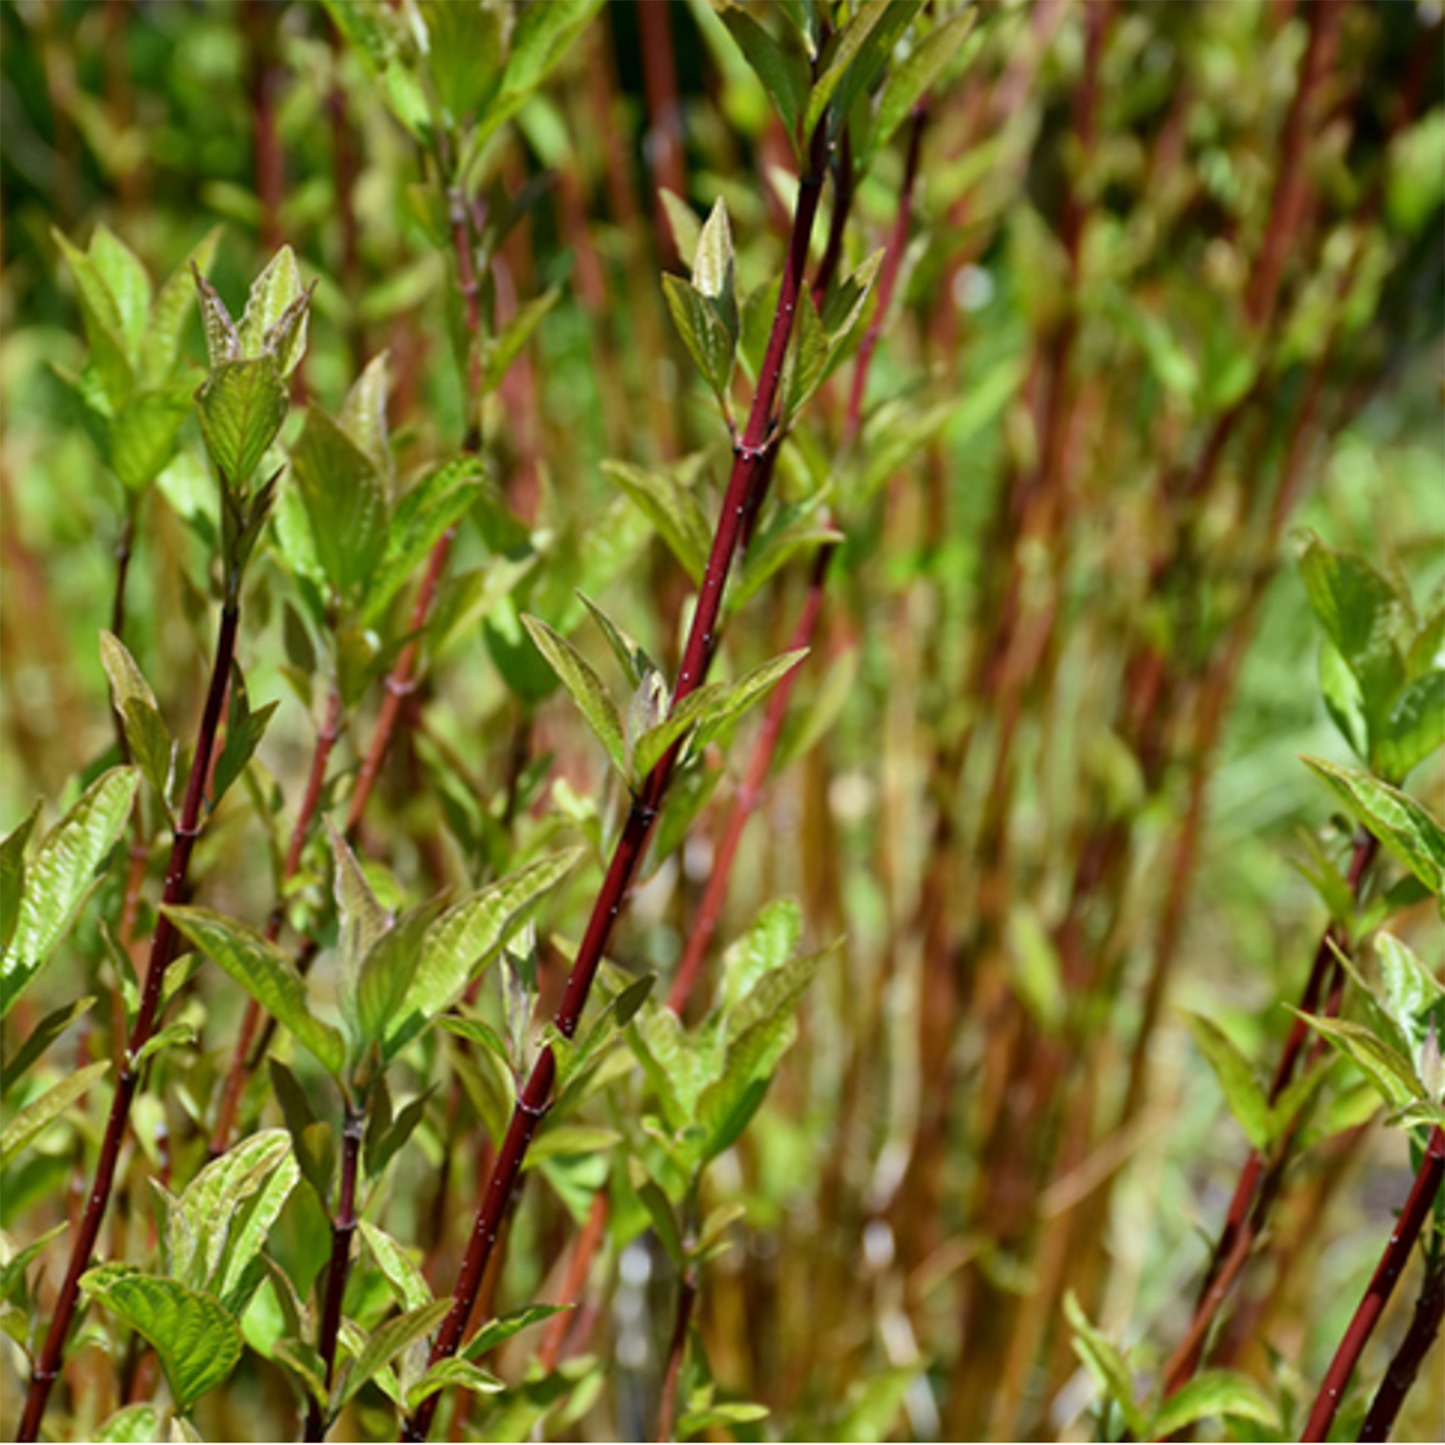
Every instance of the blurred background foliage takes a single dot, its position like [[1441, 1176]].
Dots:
[[1173, 290]]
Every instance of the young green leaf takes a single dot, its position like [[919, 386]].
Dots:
[[1104, 1362], [648, 748], [170, 311], [587, 690], [713, 268], [142, 436], [38, 1040], [446, 1373], [35, 1116], [1242, 1092], [466, 938], [12, 879], [1213, 1395], [1392, 1074], [1395, 818], [402, 1272], [686, 228], [244, 731], [105, 328], [60, 877], [911, 79], [745, 693], [241, 406], [703, 332], [499, 354], [854, 57], [345, 499], [274, 322], [267, 974], [130, 1425], [1415, 727], [387, 972], [383, 1345], [199, 1344], [672, 508], [634, 660], [783, 72]]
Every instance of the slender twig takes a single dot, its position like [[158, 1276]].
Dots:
[[1405, 1366], [1382, 1284], [343, 1227], [1245, 1219], [163, 945], [676, 1350], [751, 455]]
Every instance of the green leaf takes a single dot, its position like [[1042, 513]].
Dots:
[[40, 1038], [35, 1116], [854, 57], [686, 228], [1395, 818], [1242, 1092], [171, 310], [1210, 1396], [1390, 1072], [150, 741], [729, 1412], [874, 1405], [274, 322], [267, 974], [199, 1344], [125, 278], [363, 414], [384, 1344], [713, 267], [703, 332], [911, 79], [388, 970], [767, 945], [1340, 689], [1104, 1362], [672, 508], [808, 359], [244, 731], [634, 660], [1363, 617], [660, 1211], [416, 525], [1412, 993], [446, 1373], [385, 1143], [784, 73], [61, 875], [648, 748], [745, 693], [556, 1140], [464, 55], [466, 938], [501, 1329], [587, 690], [499, 354], [678, 1067], [402, 1272], [143, 434], [132, 1425], [12, 876], [104, 325], [170, 1037], [242, 405], [475, 1031], [345, 501], [223, 344], [1415, 727]]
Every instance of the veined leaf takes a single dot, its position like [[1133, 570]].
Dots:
[[854, 57], [36, 1116], [501, 1329], [587, 690], [1242, 1092], [383, 1345], [1212, 1395], [150, 741], [267, 974], [130, 1425], [446, 1373], [199, 1344], [466, 938], [784, 73], [171, 309], [739, 696], [61, 875], [143, 434], [1415, 727], [363, 415], [12, 878], [345, 500], [1392, 1074], [387, 972], [634, 660], [274, 322], [242, 405], [713, 267], [672, 508], [703, 332], [401, 1271], [648, 749], [1395, 818], [104, 327]]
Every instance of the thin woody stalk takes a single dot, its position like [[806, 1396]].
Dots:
[[1254, 1192], [1405, 1367], [1382, 1285], [343, 1227], [163, 946], [751, 455]]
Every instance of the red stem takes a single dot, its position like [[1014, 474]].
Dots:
[[163, 945], [1423, 1331], [751, 457], [343, 1227], [667, 1408], [1382, 1285]]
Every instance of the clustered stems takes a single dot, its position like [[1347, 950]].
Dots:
[[163, 945], [751, 465], [236, 1076], [1382, 1285], [1423, 1332], [343, 1227], [1260, 1178]]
